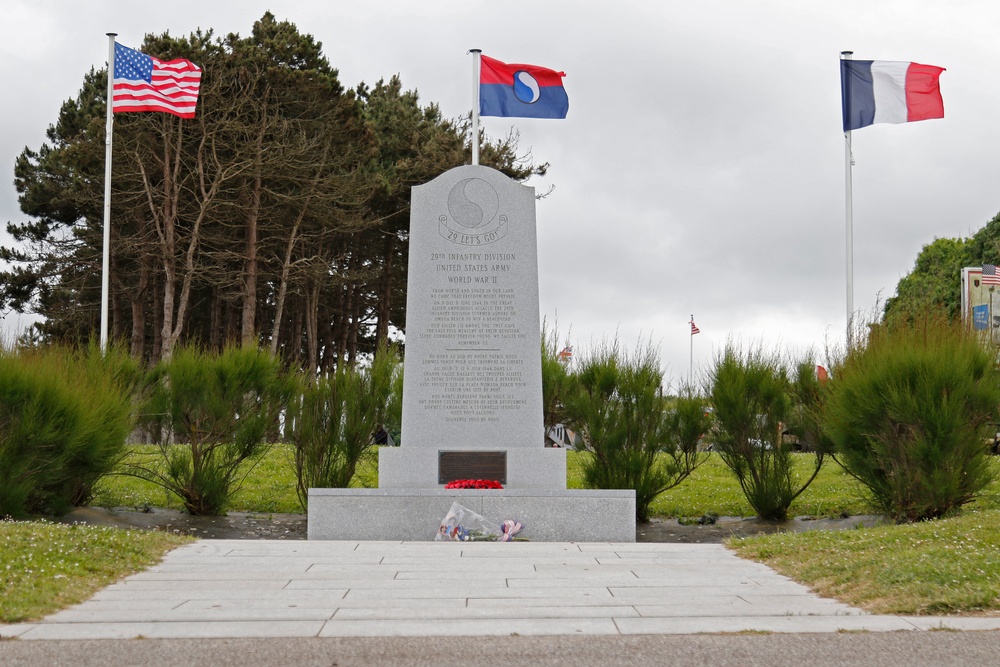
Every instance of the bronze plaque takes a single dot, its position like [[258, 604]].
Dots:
[[454, 465]]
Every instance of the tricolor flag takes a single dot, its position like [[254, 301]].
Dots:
[[145, 83], [525, 91], [888, 91]]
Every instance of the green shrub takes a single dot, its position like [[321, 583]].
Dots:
[[754, 400], [336, 417], [64, 419], [909, 413], [555, 380], [616, 404], [809, 395], [219, 408], [33, 411], [689, 420], [106, 385]]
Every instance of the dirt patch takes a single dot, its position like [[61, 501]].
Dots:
[[671, 530], [233, 526], [250, 526]]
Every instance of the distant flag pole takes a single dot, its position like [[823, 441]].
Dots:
[[694, 330], [849, 206], [476, 69], [106, 260]]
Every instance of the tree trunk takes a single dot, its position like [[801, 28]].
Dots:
[[385, 293], [115, 302], [137, 299], [312, 328], [286, 266], [215, 322], [206, 196], [295, 336], [164, 218], [355, 324], [157, 310], [248, 333], [330, 361]]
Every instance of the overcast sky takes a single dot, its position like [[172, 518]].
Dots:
[[701, 168]]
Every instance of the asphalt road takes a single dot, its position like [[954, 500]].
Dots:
[[884, 649]]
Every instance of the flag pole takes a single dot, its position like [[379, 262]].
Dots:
[[106, 261], [476, 68], [849, 207], [691, 358]]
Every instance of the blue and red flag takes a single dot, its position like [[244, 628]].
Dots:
[[887, 91], [524, 91]]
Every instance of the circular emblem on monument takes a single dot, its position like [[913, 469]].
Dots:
[[526, 87], [473, 203]]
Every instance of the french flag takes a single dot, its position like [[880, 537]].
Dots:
[[889, 91], [525, 91]]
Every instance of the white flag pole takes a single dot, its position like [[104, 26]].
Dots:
[[476, 68], [691, 359], [849, 196], [106, 262]]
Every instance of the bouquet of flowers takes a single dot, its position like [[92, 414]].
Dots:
[[461, 524], [473, 484], [509, 528]]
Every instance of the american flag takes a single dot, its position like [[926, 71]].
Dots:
[[990, 275], [145, 83], [694, 328]]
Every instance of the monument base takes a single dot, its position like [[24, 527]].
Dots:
[[415, 514], [542, 468]]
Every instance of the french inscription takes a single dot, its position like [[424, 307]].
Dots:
[[472, 386]]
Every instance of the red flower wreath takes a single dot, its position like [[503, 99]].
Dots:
[[473, 484]]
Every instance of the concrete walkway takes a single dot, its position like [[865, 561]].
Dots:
[[238, 588]]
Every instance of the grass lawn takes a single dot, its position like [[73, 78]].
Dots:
[[45, 566], [934, 567], [711, 488], [270, 487]]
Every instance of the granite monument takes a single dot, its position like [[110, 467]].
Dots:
[[472, 386]]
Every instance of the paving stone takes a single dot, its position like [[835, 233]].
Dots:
[[227, 588]]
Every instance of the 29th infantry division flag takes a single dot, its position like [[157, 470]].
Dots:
[[888, 91], [525, 91], [145, 83]]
